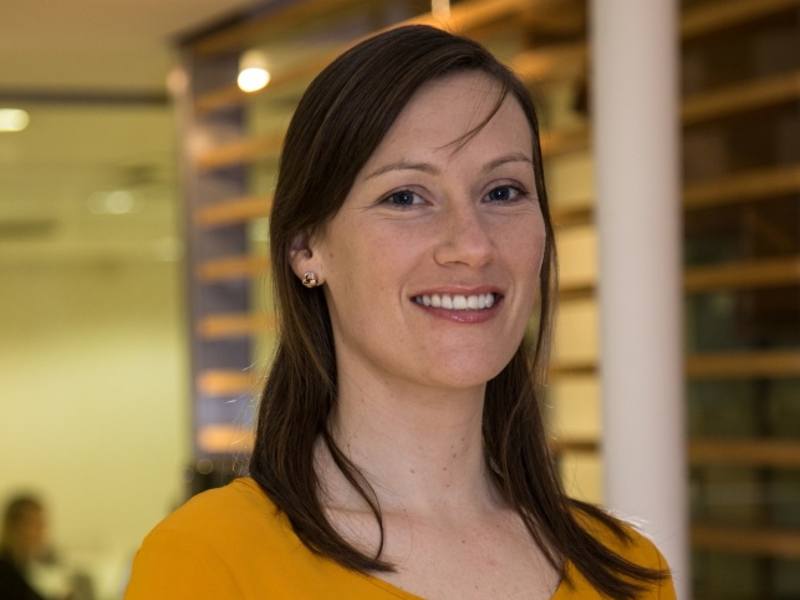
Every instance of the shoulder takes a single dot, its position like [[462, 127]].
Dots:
[[631, 542], [200, 549], [214, 514]]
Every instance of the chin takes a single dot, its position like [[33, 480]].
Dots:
[[467, 373]]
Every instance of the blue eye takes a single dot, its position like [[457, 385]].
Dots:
[[400, 199], [504, 194]]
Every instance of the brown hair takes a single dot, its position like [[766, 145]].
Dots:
[[15, 511], [340, 120]]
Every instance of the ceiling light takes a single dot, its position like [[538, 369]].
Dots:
[[13, 119], [253, 74], [113, 202]]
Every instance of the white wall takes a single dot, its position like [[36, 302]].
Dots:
[[94, 405]]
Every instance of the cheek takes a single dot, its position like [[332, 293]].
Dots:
[[360, 275], [523, 245]]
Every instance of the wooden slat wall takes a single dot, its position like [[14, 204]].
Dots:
[[717, 104], [714, 16], [558, 63], [464, 17], [747, 540]]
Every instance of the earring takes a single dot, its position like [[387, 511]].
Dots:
[[310, 279]]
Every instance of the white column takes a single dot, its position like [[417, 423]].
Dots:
[[635, 98]]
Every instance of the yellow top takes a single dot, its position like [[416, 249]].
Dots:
[[229, 542]]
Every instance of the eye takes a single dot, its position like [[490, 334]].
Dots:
[[401, 199], [505, 193]]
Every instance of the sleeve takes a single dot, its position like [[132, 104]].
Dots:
[[175, 565]]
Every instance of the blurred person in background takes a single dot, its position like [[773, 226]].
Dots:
[[23, 541], [28, 567]]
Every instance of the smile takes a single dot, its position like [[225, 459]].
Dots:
[[458, 302]]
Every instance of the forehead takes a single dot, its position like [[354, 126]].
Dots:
[[443, 110]]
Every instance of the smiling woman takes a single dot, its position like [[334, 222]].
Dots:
[[400, 448]]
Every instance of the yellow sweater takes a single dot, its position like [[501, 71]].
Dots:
[[229, 543]]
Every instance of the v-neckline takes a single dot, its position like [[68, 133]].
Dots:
[[372, 579]]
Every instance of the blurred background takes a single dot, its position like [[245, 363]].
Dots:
[[138, 153]]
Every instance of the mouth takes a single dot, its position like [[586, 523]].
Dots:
[[459, 302]]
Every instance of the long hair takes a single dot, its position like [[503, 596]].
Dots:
[[340, 120]]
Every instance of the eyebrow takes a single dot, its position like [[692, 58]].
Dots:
[[404, 165]]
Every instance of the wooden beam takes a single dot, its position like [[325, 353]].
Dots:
[[784, 543], [552, 63], [219, 382], [775, 453], [743, 187], [744, 365], [573, 368], [575, 215], [272, 23], [225, 439], [243, 151], [579, 446], [710, 17], [746, 274], [718, 365], [779, 453], [751, 95], [234, 325], [233, 267], [563, 141], [233, 212], [576, 290]]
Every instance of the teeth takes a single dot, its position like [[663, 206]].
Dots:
[[458, 302]]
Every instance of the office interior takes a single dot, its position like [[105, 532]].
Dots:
[[138, 155]]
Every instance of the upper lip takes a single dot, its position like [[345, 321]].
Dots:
[[454, 290]]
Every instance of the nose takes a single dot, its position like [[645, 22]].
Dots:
[[466, 237]]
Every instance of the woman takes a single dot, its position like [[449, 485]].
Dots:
[[400, 450]]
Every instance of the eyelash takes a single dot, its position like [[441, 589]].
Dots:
[[520, 195]]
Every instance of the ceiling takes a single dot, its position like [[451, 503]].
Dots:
[[85, 180], [97, 44]]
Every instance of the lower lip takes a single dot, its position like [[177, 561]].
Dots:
[[462, 316]]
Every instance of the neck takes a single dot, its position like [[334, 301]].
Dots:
[[420, 448]]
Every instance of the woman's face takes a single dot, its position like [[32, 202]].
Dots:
[[425, 223]]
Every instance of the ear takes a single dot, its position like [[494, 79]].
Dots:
[[302, 256]]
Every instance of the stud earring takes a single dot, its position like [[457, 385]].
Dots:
[[310, 279]]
